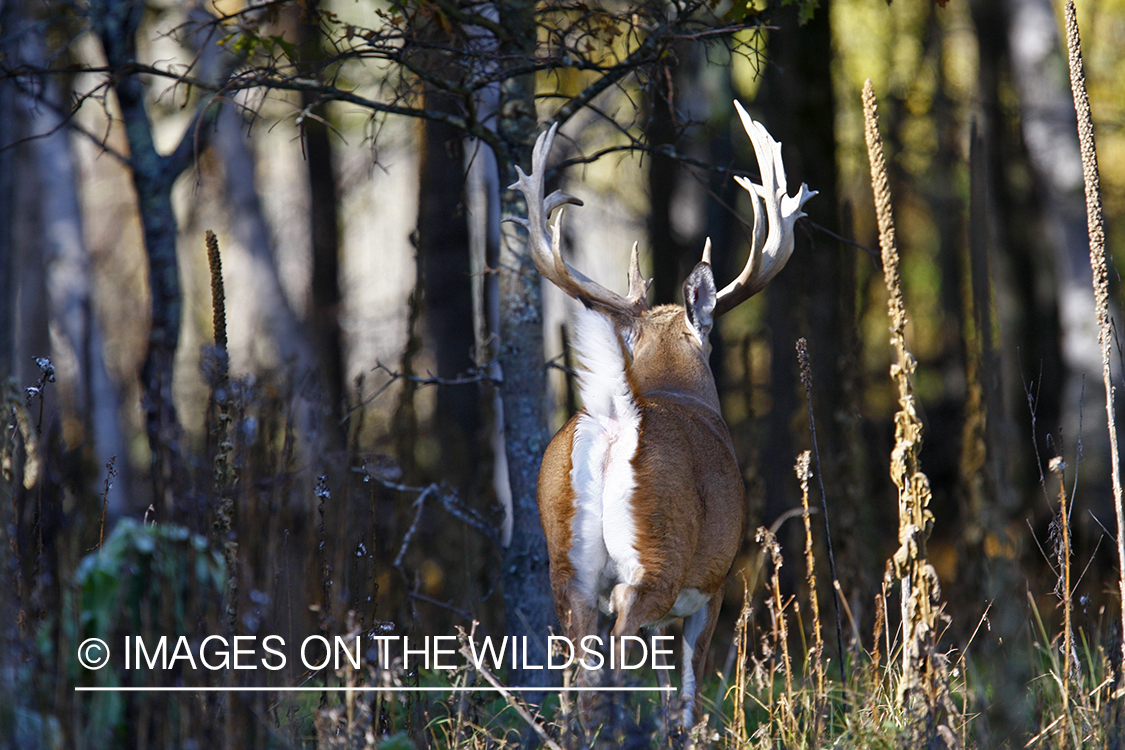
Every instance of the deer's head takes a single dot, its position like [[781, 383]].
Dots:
[[668, 345]]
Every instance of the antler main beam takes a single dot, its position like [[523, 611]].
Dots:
[[775, 213], [770, 251], [545, 245]]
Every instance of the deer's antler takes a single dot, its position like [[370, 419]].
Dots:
[[769, 251], [545, 245]]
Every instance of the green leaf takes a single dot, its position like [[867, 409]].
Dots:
[[287, 47], [805, 9], [739, 11]]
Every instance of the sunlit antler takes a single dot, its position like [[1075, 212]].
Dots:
[[770, 251], [545, 244]]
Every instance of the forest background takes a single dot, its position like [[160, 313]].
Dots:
[[342, 450]]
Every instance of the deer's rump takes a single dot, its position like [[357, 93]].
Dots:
[[639, 509]]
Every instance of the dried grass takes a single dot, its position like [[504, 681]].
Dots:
[[924, 687], [1095, 224]]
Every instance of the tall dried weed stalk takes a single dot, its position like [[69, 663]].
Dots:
[[1095, 225], [1064, 589], [924, 686], [740, 689], [782, 708], [815, 655], [224, 474], [838, 599]]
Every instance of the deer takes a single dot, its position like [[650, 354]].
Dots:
[[640, 495]]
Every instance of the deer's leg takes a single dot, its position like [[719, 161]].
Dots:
[[578, 615], [636, 606], [698, 629], [663, 679]]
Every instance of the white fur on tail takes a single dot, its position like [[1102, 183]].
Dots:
[[605, 441]]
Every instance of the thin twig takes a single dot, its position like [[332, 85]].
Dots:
[[111, 472], [513, 701], [479, 374], [474, 375]]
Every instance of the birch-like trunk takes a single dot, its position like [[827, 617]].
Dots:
[[527, 592], [49, 267], [1048, 124], [115, 23]]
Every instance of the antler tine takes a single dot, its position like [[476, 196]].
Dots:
[[770, 250], [638, 287], [531, 185], [546, 242]]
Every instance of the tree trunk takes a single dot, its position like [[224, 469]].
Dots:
[[663, 174], [90, 399], [443, 243], [482, 200], [325, 297], [445, 267], [8, 246], [55, 246], [9, 604], [1049, 127], [116, 23], [527, 593], [814, 292], [1006, 242]]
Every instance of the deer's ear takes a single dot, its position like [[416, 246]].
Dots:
[[699, 300]]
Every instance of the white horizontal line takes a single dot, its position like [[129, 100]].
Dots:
[[483, 689]]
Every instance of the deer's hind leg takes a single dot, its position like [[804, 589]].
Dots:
[[698, 629]]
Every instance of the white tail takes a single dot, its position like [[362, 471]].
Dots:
[[640, 494]]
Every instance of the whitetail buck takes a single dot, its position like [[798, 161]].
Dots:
[[640, 494]]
